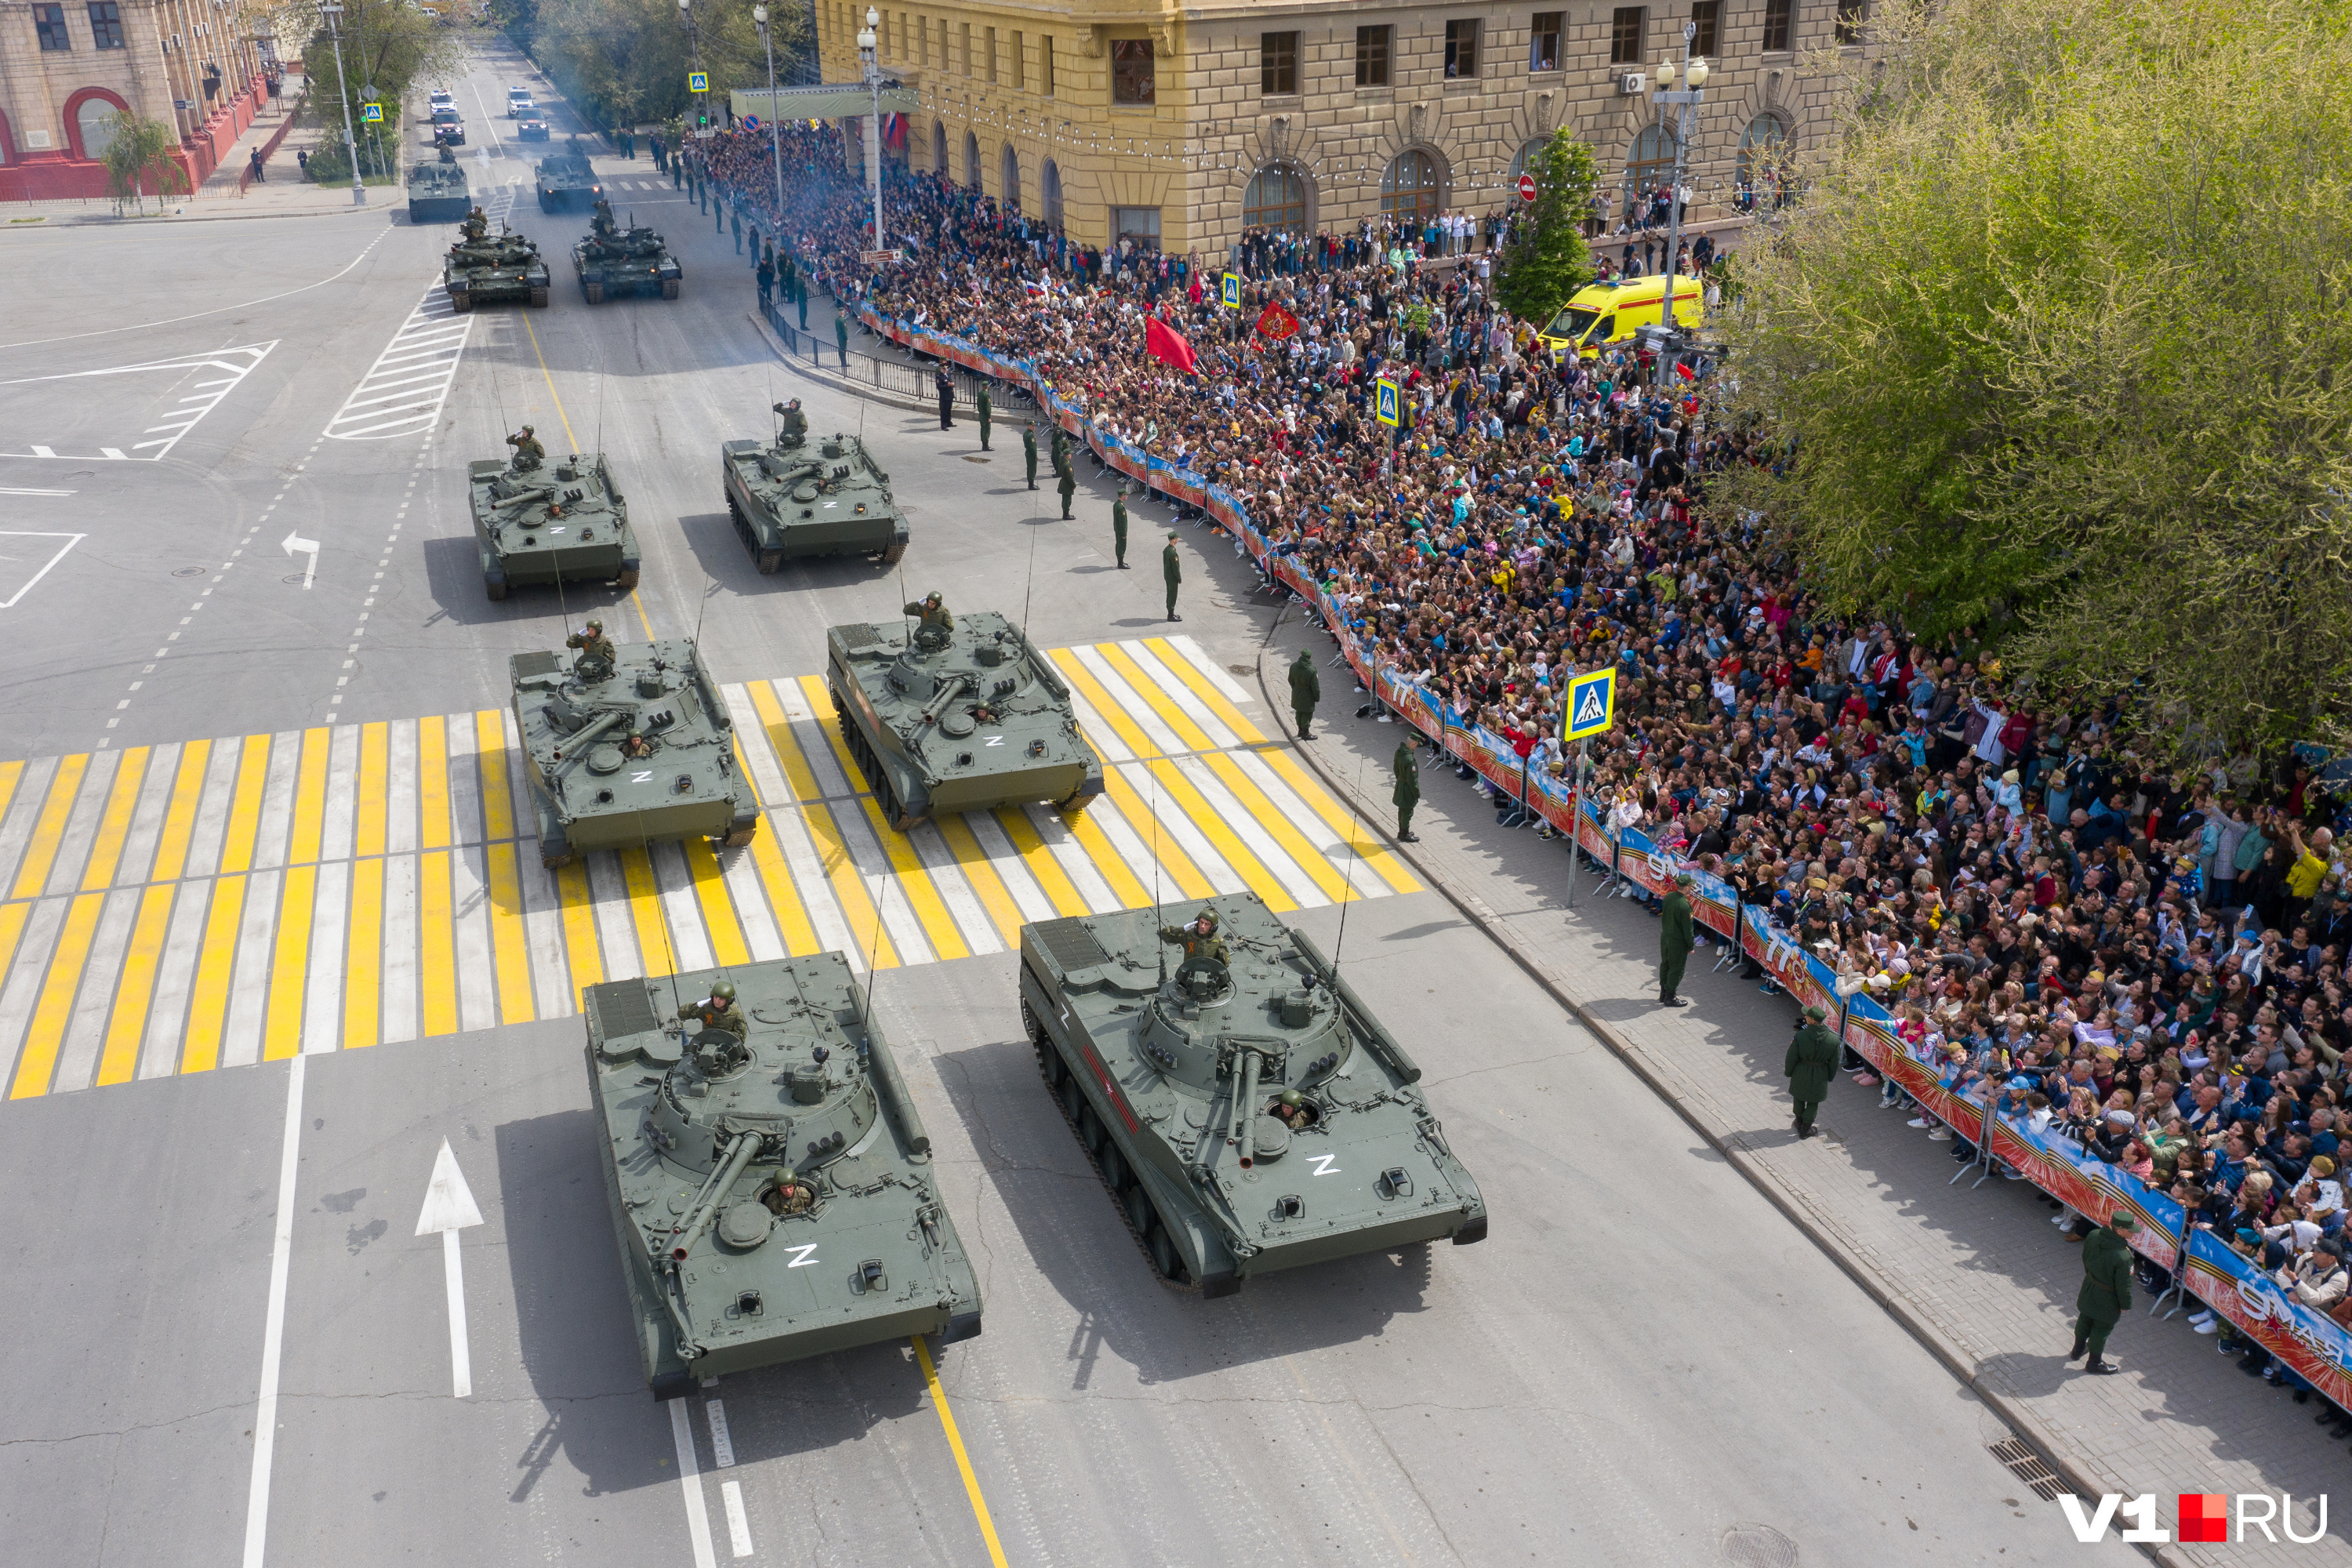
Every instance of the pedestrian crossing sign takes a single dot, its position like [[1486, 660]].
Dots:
[[698, 81], [1591, 703], [1386, 411], [1233, 291], [371, 113]]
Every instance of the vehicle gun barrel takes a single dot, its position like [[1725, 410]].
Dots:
[[536, 493], [1244, 1116], [699, 1219], [947, 693], [576, 746]]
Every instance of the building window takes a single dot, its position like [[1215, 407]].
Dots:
[[1763, 167], [1461, 50], [1527, 153], [1776, 26], [1852, 16], [967, 48], [939, 149], [1049, 192], [972, 161], [1008, 175], [1276, 199], [1625, 30], [1409, 191], [1020, 64], [1649, 168], [105, 24], [923, 40], [992, 54], [1543, 41], [1045, 63], [1141, 225], [97, 119], [1131, 79], [1277, 64], [1372, 56], [49, 22], [1705, 16]]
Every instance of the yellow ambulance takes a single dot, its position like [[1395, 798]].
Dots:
[[1607, 312]]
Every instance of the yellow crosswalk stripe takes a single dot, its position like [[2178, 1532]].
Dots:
[[510, 942], [115, 825], [49, 828], [820, 703], [580, 949], [784, 903], [710, 895], [1125, 886], [490, 753], [980, 873], [1270, 819], [310, 799], [654, 949], [364, 970], [1194, 738], [1052, 880], [290, 969], [848, 887], [11, 775], [1206, 820], [1373, 853], [245, 805], [38, 1059], [1216, 701], [1112, 712], [126, 1024], [367, 837], [180, 816], [215, 958], [938, 926], [1177, 873], [433, 784], [779, 732], [437, 941]]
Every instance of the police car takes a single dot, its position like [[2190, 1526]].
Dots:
[[518, 102]]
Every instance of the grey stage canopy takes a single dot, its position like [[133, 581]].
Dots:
[[829, 103]]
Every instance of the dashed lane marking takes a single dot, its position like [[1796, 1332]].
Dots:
[[235, 365]]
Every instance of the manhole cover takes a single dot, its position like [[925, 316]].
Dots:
[[1240, 669], [969, 457], [1758, 1546], [187, 572], [291, 577]]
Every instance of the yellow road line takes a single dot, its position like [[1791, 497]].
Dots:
[[565, 420], [126, 1024], [717, 906], [433, 782], [1280, 828], [180, 816], [1109, 864], [1175, 865], [244, 805], [848, 887], [437, 944], [39, 1059], [290, 972], [510, 942], [1144, 686], [916, 886], [654, 949], [1227, 843], [115, 823], [491, 752], [1082, 680], [1373, 853], [309, 797], [364, 956], [216, 960], [962, 1459], [793, 921], [49, 828], [1205, 688], [981, 872], [797, 773], [1052, 880], [580, 946], [375, 746]]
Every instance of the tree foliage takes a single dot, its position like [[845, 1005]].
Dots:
[[1546, 261], [387, 45], [2057, 331], [625, 61], [138, 156]]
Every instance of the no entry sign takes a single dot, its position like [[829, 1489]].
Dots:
[[1526, 187]]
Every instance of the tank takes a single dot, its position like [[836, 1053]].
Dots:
[[436, 193], [966, 719], [1170, 1072], [586, 789], [496, 267], [564, 521], [724, 1274], [800, 498], [566, 180], [613, 260]]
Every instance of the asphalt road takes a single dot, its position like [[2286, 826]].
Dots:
[[1643, 1364]]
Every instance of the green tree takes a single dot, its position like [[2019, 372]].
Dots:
[[1546, 259], [2056, 329], [387, 45], [138, 155], [627, 60]]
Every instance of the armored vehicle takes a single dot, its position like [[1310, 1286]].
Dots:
[[436, 193], [1243, 1106], [957, 717], [538, 524], [630, 746], [800, 498], [772, 1189], [616, 260], [487, 268], [565, 179]]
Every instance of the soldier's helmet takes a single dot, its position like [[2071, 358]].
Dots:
[[1291, 1098], [530, 429], [1206, 918], [787, 1177], [931, 598], [596, 625], [635, 735], [723, 991]]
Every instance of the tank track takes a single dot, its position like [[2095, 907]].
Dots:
[[870, 768], [1047, 1059]]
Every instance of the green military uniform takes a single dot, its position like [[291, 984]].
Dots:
[[1118, 529], [795, 429], [715, 1013], [1813, 1058], [2106, 1288], [1029, 453], [1407, 793], [1173, 570], [982, 406], [738, 221], [595, 648], [934, 613], [475, 226], [529, 453], [841, 338], [1062, 454], [1305, 691], [1068, 487], [1674, 941], [1196, 944]]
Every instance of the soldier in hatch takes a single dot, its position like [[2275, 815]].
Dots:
[[475, 226], [934, 613], [795, 429], [718, 1011], [636, 746], [790, 1195], [1200, 937], [1291, 1110], [595, 660], [529, 453]]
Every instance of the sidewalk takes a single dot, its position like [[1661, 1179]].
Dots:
[[1978, 1273]]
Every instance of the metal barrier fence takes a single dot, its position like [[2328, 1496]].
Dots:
[[897, 377]]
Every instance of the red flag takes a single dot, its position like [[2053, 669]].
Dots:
[[1277, 323], [1162, 342]]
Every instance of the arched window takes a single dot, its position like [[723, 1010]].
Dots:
[[1049, 192], [91, 121], [1276, 199], [1527, 155], [1649, 166], [1011, 177], [971, 159], [7, 143], [939, 148], [1763, 163], [1411, 189]]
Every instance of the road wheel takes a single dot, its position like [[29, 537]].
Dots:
[[890, 556], [1049, 1062], [1114, 1167], [1090, 1128], [768, 561], [539, 298], [627, 579], [1074, 1099], [1164, 1256], [1138, 1204], [595, 292]]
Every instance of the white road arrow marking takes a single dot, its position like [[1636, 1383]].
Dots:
[[449, 1208], [295, 544]]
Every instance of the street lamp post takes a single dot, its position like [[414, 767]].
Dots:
[[865, 60], [1694, 73], [775, 137], [333, 14]]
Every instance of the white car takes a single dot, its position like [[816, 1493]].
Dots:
[[441, 99], [518, 99]]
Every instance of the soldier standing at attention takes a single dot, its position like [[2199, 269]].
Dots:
[[840, 332], [718, 1011], [1305, 691], [1029, 452], [1172, 570], [1062, 454], [738, 233], [1068, 487], [1119, 526], [767, 277], [529, 453], [2106, 1289], [1674, 941], [1813, 1058], [982, 406], [945, 384], [1407, 793]]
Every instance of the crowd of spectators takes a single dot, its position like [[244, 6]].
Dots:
[[2146, 959]]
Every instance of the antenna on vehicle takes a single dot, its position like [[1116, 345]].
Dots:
[[1157, 918], [668, 949], [1348, 884]]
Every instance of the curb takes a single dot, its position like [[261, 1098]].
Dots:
[[105, 220], [840, 383], [2076, 1474]]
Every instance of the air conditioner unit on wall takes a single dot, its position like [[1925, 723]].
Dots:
[[1632, 82]]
